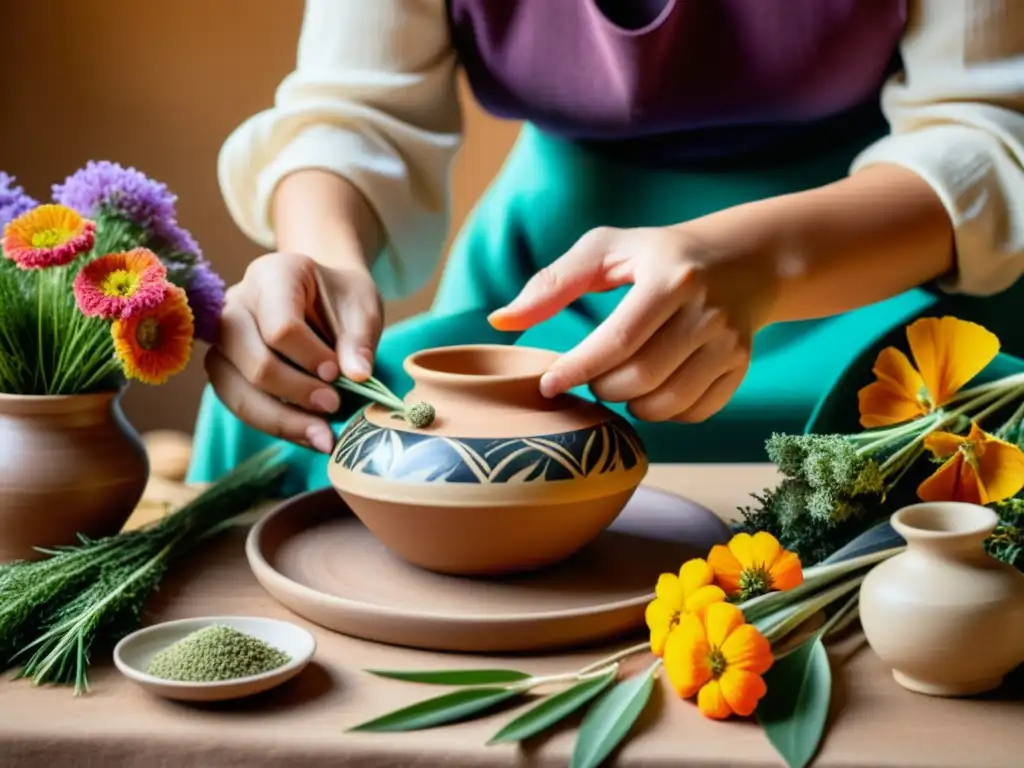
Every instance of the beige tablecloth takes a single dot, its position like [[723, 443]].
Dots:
[[303, 723]]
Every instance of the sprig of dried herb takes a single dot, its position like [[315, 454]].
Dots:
[[54, 611], [418, 415]]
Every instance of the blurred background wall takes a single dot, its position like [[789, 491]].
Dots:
[[159, 85]]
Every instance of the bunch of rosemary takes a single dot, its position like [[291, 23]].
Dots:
[[54, 611], [834, 487]]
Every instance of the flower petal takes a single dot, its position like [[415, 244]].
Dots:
[[742, 690], [747, 649], [687, 665], [949, 352], [659, 617], [765, 549], [712, 703], [787, 572], [670, 591], [1001, 466], [953, 481], [721, 619], [694, 574], [704, 597], [893, 398], [726, 567], [943, 444], [742, 547]]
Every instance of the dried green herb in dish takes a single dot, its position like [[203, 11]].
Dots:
[[216, 653]]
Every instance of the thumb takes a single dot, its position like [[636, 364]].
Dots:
[[558, 285], [360, 320]]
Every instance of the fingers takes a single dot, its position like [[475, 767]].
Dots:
[[681, 335], [714, 398], [556, 286], [360, 320], [643, 310], [687, 387], [263, 412], [242, 346], [280, 308]]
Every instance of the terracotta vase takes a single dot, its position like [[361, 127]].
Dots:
[[504, 480], [946, 616], [68, 465]]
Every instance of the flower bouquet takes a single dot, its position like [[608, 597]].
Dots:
[[99, 287], [742, 633]]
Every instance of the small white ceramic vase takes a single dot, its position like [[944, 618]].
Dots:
[[946, 616]]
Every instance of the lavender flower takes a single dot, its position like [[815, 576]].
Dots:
[[126, 191], [13, 200], [205, 293]]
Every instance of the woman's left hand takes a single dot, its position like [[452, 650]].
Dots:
[[678, 345]]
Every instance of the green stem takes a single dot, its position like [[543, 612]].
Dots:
[[40, 303], [834, 621], [1013, 421], [615, 657]]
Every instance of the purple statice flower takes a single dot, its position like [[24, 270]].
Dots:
[[171, 237], [13, 200], [205, 292], [126, 191]]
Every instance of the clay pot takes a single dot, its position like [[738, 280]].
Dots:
[[504, 480], [68, 465], [946, 616]]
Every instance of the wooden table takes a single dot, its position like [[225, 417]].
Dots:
[[303, 723]]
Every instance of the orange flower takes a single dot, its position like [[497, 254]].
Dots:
[[948, 352], [754, 565], [157, 343], [47, 236], [979, 468], [718, 657], [675, 595]]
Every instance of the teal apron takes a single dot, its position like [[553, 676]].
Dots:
[[547, 195]]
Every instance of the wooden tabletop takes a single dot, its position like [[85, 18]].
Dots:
[[876, 723]]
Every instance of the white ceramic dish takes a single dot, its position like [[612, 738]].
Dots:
[[133, 654]]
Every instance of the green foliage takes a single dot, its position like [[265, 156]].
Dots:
[[1007, 541], [441, 710], [794, 712], [608, 723], [554, 709], [54, 611], [47, 346], [455, 676]]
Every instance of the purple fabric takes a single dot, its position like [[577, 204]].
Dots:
[[705, 76]]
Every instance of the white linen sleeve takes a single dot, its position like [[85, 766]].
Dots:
[[956, 114], [373, 99]]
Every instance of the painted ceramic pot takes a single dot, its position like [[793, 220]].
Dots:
[[69, 465], [504, 480], [947, 617]]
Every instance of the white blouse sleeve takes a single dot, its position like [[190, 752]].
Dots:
[[957, 120], [373, 99]]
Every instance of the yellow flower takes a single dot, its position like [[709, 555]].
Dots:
[[718, 657], [979, 468], [948, 352], [691, 590], [754, 565]]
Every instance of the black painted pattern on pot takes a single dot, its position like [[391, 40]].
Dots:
[[394, 454]]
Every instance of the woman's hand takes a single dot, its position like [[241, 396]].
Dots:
[[678, 345], [272, 366]]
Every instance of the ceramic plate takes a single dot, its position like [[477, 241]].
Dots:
[[133, 654], [318, 560]]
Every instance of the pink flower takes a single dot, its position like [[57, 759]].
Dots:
[[121, 284]]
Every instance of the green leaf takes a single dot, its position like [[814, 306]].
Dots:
[[553, 709], [794, 711], [455, 676], [440, 710], [610, 720]]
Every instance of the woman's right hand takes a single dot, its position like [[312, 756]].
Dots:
[[271, 367]]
